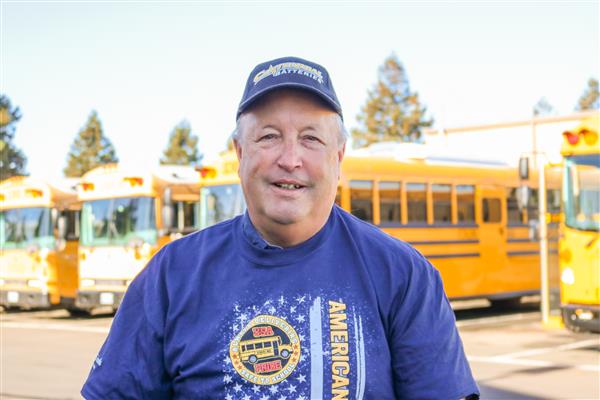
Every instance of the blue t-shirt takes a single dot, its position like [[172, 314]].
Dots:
[[350, 313]]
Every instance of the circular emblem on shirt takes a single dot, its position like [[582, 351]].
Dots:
[[266, 350]]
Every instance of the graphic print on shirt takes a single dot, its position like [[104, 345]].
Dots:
[[295, 347]]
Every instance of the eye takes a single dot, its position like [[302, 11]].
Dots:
[[267, 137], [312, 139]]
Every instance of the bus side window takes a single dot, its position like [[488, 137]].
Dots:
[[416, 202], [514, 215], [389, 203], [465, 203], [72, 224], [553, 201], [361, 200], [491, 210], [532, 206], [442, 203]]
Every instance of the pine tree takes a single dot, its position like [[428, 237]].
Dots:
[[392, 112], [90, 149], [183, 146], [12, 159], [589, 98]]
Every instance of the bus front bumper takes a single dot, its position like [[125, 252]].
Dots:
[[24, 299], [583, 316], [86, 300]]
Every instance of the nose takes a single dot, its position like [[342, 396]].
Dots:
[[290, 157]]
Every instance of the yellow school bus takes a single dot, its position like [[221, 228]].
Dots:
[[38, 243], [463, 215], [580, 228], [126, 216]]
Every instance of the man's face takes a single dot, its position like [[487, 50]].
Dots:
[[290, 155]]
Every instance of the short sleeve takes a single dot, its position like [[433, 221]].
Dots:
[[130, 364], [427, 353]]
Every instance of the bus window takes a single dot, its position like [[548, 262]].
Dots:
[[361, 199], [553, 201], [389, 203], [416, 202], [186, 216], [514, 215], [491, 210], [442, 203], [72, 224], [465, 203], [532, 206]]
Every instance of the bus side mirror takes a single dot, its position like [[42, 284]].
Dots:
[[167, 211], [524, 168]]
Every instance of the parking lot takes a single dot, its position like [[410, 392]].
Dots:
[[47, 355]]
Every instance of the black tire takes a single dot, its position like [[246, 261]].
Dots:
[[78, 312], [568, 321], [252, 359], [284, 353]]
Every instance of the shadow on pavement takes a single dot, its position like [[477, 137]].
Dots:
[[492, 393]]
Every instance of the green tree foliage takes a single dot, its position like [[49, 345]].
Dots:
[[182, 148], [543, 107], [392, 112], [589, 98], [12, 159], [90, 149]]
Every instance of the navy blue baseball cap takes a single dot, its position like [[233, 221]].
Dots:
[[289, 72]]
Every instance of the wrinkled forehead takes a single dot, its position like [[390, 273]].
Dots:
[[287, 94]]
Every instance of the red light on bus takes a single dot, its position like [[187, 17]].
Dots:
[[207, 172], [86, 186], [134, 181], [571, 137], [34, 193]]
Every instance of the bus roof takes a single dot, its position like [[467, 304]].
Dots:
[[583, 139], [26, 191]]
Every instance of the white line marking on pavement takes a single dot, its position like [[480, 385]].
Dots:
[[531, 363], [545, 350], [54, 327]]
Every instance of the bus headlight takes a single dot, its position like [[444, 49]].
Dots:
[[36, 283], [87, 282], [567, 277], [44, 253]]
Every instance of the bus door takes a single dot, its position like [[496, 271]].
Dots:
[[492, 238]]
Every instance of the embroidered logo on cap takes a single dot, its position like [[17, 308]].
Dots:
[[290, 68]]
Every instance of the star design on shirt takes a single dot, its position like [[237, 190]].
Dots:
[[227, 360], [246, 397], [264, 397], [302, 358], [291, 388], [273, 389], [300, 336], [292, 309], [300, 318], [301, 377], [255, 389], [281, 301], [282, 397], [272, 310], [227, 379], [236, 307], [301, 398], [243, 318], [300, 299], [268, 302], [237, 387], [229, 397]]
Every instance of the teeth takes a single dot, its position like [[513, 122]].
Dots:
[[288, 186]]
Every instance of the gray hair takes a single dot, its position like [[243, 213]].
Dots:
[[342, 131]]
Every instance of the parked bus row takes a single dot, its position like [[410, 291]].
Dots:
[[79, 244], [463, 215]]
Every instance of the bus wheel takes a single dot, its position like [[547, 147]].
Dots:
[[78, 312], [252, 359], [568, 318], [285, 353]]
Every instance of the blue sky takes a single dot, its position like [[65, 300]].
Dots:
[[145, 66]]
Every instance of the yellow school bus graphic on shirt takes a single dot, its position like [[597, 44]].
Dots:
[[266, 350]]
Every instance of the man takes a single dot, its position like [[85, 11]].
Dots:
[[296, 299]]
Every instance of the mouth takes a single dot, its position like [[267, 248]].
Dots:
[[288, 186]]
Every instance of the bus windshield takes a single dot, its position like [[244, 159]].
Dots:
[[219, 203], [118, 221], [23, 227], [582, 192]]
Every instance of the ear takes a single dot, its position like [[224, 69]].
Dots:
[[238, 149], [341, 152]]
